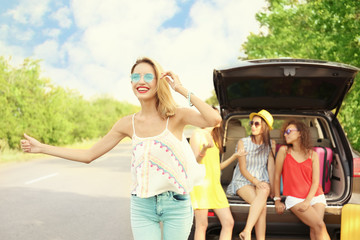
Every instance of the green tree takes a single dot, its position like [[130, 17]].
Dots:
[[23, 87], [109, 110], [314, 29], [5, 112], [50, 113], [213, 99]]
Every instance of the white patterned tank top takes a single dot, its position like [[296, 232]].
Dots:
[[158, 164]]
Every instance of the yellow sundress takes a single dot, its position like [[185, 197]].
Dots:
[[209, 195]]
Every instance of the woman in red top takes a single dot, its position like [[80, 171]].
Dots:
[[299, 166]]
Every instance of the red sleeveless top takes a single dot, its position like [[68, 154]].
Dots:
[[297, 177]]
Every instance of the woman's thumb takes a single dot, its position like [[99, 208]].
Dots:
[[26, 136]]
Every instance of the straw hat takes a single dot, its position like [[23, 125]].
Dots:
[[264, 115]]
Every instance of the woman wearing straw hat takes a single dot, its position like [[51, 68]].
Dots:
[[253, 176]]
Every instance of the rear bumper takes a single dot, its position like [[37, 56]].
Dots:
[[284, 224], [240, 212]]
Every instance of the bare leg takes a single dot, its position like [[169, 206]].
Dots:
[[320, 209], [312, 234], [227, 223], [257, 199], [201, 223], [260, 226], [311, 218]]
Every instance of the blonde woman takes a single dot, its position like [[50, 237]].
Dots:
[[159, 166]]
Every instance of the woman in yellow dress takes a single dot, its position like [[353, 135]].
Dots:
[[207, 144]]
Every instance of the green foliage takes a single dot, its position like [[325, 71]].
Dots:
[[50, 113], [314, 29], [213, 99]]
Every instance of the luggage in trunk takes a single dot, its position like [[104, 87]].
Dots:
[[325, 160]]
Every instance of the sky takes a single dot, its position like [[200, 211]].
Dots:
[[91, 45]]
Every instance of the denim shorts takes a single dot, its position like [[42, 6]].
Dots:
[[173, 210]]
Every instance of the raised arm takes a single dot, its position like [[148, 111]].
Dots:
[[109, 141], [206, 116]]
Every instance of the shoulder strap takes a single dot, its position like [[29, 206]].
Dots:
[[133, 124], [167, 122]]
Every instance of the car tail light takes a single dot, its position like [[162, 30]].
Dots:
[[356, 167], [211, 214]]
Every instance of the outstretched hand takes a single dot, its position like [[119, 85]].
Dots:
[[241, 153], [30, 145]]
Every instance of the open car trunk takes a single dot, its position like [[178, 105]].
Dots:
[[308, 90], [322, 135]]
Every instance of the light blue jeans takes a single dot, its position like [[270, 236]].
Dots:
[[172, 209]]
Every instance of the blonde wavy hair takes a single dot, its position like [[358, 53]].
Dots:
[[165, 103]]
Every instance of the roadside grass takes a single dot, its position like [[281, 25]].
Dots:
[[12, 155]]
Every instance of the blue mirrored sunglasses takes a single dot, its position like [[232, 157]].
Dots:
[[288, 131], [148, 77]]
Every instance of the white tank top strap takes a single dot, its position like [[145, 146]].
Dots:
[[133, 124], [167, 122]]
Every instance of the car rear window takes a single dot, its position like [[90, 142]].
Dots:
[[284, 92]]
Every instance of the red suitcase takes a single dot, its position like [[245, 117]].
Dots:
[[325, 160]]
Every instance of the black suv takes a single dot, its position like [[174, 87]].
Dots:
[[310, 90]]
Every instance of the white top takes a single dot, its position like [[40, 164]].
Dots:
[[159, 164]]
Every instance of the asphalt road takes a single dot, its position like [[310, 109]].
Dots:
[[56, 199]]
